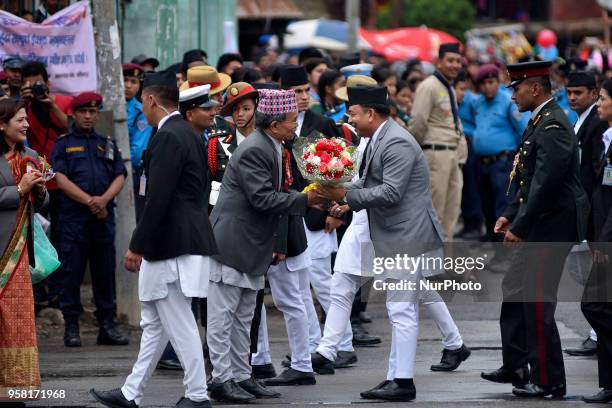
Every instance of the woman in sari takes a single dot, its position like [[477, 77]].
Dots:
[[22, 190]]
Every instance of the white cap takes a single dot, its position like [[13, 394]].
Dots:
[[197, 97], [357, 69]]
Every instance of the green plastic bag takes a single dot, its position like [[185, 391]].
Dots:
[[45, 254]]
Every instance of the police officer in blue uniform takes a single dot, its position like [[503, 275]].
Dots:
[[471, 208], [90, 173], [497, 134], [138, 128]]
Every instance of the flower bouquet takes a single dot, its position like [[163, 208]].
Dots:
[[326, 161], [42, 165]]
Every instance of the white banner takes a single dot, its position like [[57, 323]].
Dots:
[[63, 42]]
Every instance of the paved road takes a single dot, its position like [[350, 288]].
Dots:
[[77, 370]]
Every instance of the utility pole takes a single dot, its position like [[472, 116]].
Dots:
[[351, 14], [110, 85]]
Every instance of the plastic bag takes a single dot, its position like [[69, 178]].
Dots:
[[45, 255]]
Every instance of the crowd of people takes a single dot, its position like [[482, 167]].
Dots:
[[516, 153]]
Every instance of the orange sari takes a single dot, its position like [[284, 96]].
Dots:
[[19, 367]]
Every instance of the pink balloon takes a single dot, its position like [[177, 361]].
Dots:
[[546, 38]]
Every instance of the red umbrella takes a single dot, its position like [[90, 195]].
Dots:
[[406, 43]]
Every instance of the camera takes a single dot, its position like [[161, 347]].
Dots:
[[40, 90]]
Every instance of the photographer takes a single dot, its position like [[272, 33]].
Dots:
[[46, 112]]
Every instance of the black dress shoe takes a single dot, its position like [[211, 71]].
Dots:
[[392, 391], [601, 397], [451, 359], [263, 371], [364, 317], [361, 337], [169, 364], [291, 377], [537, 391], [368, 394], [517, 377], [72, 337], [321, 365], [109, 335], [588, 348], [255, 388], [113, 398], [187, 403], [229, 391], [344, 359]]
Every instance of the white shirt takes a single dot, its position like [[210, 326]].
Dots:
[[239, 137], [607, 138], [375, 135], [582, 118], [191, 271], [300, 122], [165, 119], [538, 109]]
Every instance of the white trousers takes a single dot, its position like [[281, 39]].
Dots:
[[434, 304], [320, 274], [403, 316], [228, 332], [288, 288], [263, 344], [166, 319]]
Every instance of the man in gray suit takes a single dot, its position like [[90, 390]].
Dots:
[[398, 218], [244, 221]]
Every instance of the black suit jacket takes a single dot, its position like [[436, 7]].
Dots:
[[174, 219], [602, 203], [589, 139]]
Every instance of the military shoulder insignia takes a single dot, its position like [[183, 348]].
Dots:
[[62, 136], [553, 126], [547, 113], [537, 119]]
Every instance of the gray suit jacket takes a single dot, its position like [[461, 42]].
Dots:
[[395, 190], [9, 201], [250, 205]]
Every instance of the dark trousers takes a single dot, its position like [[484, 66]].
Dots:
[[527, 320], [74, 256], [597, 308], [493, 185], [470, 196]]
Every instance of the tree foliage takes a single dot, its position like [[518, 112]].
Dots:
[[451, 16]]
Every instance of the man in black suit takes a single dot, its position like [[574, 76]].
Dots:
[[250, 206], [597, 298], [582, 93], [171, 247]]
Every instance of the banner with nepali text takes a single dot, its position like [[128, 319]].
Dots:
[[64, 42]]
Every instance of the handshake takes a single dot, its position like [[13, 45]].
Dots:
[[322, 196]]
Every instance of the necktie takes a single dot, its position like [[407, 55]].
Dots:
[[364, 158]]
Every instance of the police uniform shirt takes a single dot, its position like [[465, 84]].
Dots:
[[499, 124], [138, 129], [81, 157]]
